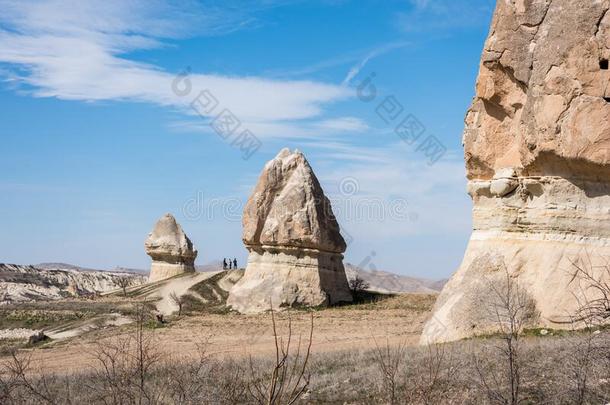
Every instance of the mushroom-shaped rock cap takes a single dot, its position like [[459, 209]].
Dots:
[[289, 209], [168, 241]]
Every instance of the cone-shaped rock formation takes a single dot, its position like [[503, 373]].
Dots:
[[295, 247], [171, 250]]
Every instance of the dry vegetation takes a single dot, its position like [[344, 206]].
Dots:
[[514, 366], [135, 371]]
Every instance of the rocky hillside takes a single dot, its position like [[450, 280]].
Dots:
[[386, 282], [53, 281]]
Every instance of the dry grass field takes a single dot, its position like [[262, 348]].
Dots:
[[343, 328], [361, 353]]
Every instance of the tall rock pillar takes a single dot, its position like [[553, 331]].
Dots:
[[537, 152], [295, 247], [172, 252]]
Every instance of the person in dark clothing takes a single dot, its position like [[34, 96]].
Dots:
[[234, 263], [230, 264], [224, 263]]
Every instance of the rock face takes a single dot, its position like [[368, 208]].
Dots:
[[537, 151], [295, 247], [171, 250]]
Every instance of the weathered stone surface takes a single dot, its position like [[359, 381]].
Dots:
[[288, 208], [171, 250], [537, 151], [294, 241]]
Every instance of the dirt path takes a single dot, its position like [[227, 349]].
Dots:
[[239, 335]]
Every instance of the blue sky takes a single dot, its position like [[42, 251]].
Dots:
[[97, 145]]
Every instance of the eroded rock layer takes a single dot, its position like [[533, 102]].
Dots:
[[172, 252], [295, 247], [537, 151]]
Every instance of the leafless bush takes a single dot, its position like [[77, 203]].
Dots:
[[358, 284], [594, 287], [287, 380], [231, 384], [18, 386], [390, 360], [7, 385], [123, 282], [511, 308], [178, 300], [188, 377], [433, 376], [126, 365], [593, 298], [578, 366]]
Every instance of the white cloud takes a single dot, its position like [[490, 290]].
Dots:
[[283, 130], [344, 124], [353, 72], [76, 51]]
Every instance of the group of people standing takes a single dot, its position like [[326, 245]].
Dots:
[[229, 264]]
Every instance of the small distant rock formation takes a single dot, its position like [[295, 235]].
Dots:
[[171, 250], [537, 151], [295, 247]]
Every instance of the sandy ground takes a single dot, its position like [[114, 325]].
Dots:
[[180, 286], [236, 335], [108, 320]]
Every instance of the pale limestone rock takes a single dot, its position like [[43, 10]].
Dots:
[[537, 151], [171, 250], [504, 182], [294, 242]]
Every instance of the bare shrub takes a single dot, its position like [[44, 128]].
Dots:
[[594, 287], [390, 360], [123, 282], [231, 384], [592, 294], [178, 300], [188, 377], [358, 284], [18, 386], [286, 381], [511, 309], [126, 365], [433, 376], [578, 367]]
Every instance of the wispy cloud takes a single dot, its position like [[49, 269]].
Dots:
[[283, 130], [80, 52], [436, 194], [424, 15], [353, 72]]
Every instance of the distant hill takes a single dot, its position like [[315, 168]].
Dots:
[[66, 266], [212, 266], [381, 281], [128, 270], [57, 280], [62, 266], [386, 282]]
